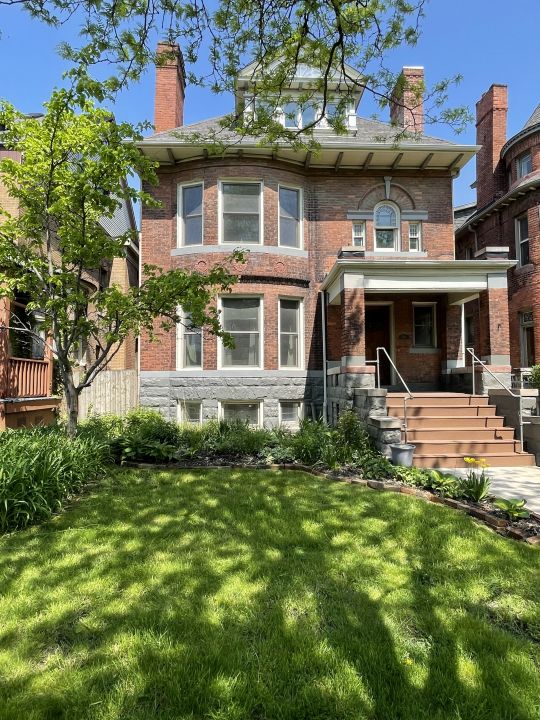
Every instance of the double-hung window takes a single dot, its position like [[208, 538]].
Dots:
[[190, 221], [359, 234], [241, 318], [291, 116], [386, 219], [526, 322], [189, 344], [290, 224], [415, 236], [522, 240], [524, 165], [425, 335], [241, 212], [290, 336]]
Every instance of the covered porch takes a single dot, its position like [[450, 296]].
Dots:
[[415, 309]]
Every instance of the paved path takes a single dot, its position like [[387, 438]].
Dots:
[[514, 482]]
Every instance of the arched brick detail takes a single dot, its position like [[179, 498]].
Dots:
[[398, 195]]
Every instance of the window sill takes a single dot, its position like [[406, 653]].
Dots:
[[208, 249], [424, 350]]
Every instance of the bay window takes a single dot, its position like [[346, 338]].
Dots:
[[241, 318], [289, 217], [290, 340], [241, 212], [190, 220]]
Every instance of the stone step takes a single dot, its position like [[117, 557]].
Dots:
[[452, 460], [460, 433], [445, 421], [464, 447], [450, 411], [438, 400]]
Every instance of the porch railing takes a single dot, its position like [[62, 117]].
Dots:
[[407, 397], [27, 378], [476, 361]]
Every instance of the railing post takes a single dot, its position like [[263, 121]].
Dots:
[[378, 370]]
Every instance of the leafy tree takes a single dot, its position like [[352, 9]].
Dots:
[[225, 35], [75, 160]]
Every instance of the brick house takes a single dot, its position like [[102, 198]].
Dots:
[[26, 365], [351, 248], [505, 220]]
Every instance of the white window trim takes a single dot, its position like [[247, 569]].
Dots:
[[362, 223], [260, 366], [180, 333], [259, 403], [180, 234], [520, 240], [300, 302], [397, 229], [419, 236], [433, 305], [240, 181], [301, 413], [180, 412], [300, 216]]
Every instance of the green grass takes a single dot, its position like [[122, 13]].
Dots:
[[265, 595]]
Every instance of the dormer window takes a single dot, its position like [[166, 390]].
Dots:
[[386, 222]]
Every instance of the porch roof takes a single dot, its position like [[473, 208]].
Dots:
[[462, 279]]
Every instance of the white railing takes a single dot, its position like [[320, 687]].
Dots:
[[407, 397], [476, 361]]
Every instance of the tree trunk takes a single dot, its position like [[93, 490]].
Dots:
[[72, 401]]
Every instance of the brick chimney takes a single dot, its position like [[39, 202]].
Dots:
[[491, 111], [170, 89], [407, 104]]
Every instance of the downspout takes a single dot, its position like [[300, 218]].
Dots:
[[322, 295]]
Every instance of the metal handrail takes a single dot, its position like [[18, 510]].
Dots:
[[409, 396], [475, 360]]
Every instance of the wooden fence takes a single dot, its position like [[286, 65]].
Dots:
[[113, 392]]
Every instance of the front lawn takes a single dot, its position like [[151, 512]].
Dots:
[[265, 595]]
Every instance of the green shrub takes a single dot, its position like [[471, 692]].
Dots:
[[308, 445], [416, 477], [145, 435], [40, 468], [514, 508], [535, 377]]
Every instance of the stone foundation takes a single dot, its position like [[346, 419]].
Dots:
[[164, 391]]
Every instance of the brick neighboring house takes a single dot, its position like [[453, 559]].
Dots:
[[505, 220], [351, 248], [26, 366]]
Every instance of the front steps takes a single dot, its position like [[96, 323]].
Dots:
[[446, 427]]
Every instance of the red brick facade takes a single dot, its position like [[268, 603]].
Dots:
[[502, 198]]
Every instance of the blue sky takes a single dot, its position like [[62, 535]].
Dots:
[[486, 41]]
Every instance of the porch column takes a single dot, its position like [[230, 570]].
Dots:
[[4, 355], [454, 337], [353, 322], [494, 328]]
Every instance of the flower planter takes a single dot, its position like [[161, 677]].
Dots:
[[402, 454]]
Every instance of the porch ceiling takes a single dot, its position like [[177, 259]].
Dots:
[[462, 280]]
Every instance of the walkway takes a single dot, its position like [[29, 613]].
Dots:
[[514, 482]]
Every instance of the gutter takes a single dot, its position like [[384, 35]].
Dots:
[[322, 295]]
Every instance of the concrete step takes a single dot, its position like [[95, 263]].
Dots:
[[455, 421], [439, 400], [452, 460], [450, 411], [464, 447], [448, 434]]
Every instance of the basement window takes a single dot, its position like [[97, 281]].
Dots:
[[246, 412]]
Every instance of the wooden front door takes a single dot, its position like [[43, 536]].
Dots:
[[378, 335]]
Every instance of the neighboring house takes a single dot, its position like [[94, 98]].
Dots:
[[351, 249], [505, 220], [26, 366]]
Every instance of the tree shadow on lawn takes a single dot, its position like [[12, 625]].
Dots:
[[260, 595]]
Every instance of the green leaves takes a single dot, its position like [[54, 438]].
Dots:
[[514, 508]]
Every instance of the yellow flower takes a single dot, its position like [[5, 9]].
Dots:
[[470, 460]]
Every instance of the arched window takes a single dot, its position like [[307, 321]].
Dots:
[[386, 222]]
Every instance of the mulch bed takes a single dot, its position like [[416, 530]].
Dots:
[[527, 530]]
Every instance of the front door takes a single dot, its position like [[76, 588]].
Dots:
[[378, 335]]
